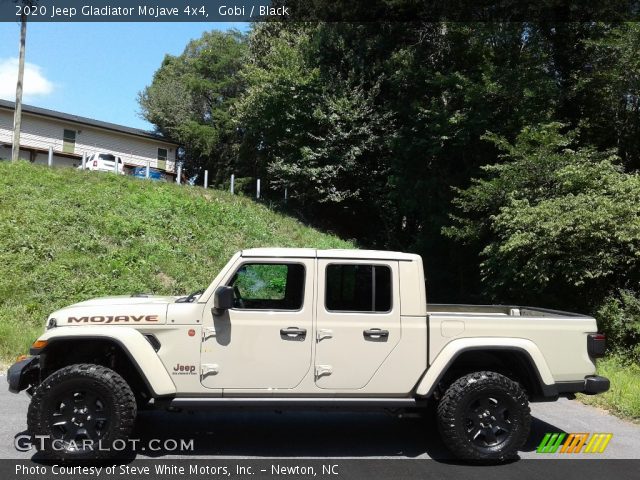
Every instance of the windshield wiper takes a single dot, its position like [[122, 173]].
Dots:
[[191, 297]]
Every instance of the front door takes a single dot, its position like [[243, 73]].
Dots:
[[264, 341], [358, 320]]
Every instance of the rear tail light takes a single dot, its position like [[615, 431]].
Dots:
[[95, 163], [596, 344]]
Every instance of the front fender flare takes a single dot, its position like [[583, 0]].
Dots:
[[453, 349], [132, 342]]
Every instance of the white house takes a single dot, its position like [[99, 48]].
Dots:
[[72, 136]]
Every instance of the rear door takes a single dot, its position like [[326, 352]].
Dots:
[[358, 320]]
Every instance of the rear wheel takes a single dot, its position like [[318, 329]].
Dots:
[[80, 411], [484, 416]]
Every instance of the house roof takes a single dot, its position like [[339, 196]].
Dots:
[[44, 112]]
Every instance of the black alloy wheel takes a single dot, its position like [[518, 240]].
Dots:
[[484, 416], [82, 411]]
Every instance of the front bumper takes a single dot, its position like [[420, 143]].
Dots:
[[23, 374], [591, 385]]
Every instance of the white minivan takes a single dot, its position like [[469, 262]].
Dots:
[[104, 162]]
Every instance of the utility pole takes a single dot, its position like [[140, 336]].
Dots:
[[17, 115]]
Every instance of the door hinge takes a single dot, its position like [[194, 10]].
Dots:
[[323, 333], [322, 370], [208, 332], [209, 369]]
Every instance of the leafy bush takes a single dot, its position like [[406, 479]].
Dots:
[[619, 319], [245, 186], [555, 224]]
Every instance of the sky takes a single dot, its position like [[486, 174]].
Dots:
[[93, 70]]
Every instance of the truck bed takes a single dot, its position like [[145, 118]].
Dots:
[[551, 333]]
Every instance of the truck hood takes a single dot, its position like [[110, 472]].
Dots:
[[126, 300], [122, 310]]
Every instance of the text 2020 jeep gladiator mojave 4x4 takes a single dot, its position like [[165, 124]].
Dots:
[[305, 328]]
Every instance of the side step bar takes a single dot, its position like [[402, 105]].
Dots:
[[303, 403]]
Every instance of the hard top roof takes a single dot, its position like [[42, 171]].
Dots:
[[330, 253]]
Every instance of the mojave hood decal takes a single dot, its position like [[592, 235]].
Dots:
[[114, 319], [132, 311]]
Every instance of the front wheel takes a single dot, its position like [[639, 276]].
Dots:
[[484, 416], [80, 411]]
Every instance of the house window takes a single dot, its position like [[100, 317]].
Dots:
[[162, 158], [69, 141]]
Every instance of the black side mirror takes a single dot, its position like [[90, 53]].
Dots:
[[222, 300]]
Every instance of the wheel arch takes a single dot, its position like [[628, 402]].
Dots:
[[518, 358], [134, 349]]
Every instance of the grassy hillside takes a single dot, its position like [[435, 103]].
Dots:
[[67, 236], [624, 397]]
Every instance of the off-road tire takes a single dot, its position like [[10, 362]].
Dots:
[[85, 401], [490, 407]]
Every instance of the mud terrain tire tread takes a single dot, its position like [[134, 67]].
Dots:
[[111, 384], [450, 413]]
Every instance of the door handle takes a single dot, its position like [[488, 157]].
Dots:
[[293, 333], [376, 334], [323, 333]]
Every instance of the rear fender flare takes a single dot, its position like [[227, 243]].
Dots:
[[453, 349]]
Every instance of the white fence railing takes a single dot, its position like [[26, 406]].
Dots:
[[205, 183]]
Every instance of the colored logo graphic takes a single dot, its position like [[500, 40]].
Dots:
[[574, 443]]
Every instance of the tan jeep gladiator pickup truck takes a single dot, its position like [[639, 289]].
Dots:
[[304, 328]]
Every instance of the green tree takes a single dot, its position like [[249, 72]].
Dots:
[[607, 91], [619, 319], [557, 222], [448, 89], [369, 126], [319, 136], [191, 97]]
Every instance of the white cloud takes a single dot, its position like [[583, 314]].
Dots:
[[35, 84]]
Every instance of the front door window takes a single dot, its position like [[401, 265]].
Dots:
[[269, 286]]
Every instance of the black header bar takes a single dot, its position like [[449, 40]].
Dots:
[[320, 10]]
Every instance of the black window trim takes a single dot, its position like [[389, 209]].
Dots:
[[267, 262], [360, 312]]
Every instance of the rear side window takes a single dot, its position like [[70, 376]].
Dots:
[[358, 288], [269, 286]]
